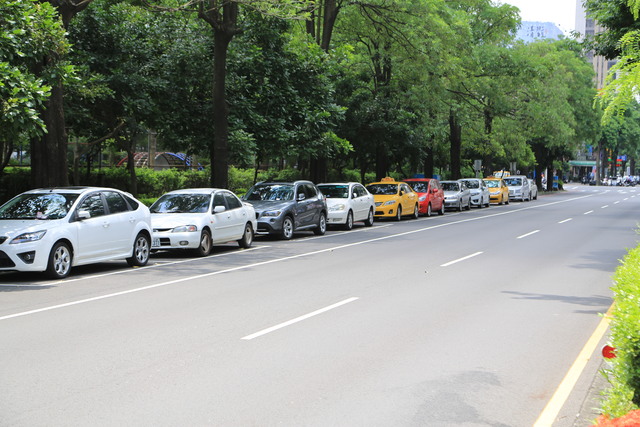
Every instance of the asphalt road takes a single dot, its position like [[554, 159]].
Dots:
[[469, 319]]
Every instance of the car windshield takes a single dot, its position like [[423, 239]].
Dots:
[[335, 191], [274, 192], [472, 184], [491, 183], [451, 186], [38, 206], [384, 189], [419, 186], [181, 203], [513, 181]]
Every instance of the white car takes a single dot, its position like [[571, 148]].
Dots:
[[479, 191], [456, 195], [50, 230], [534, 190], [518, 187], [198, 218], [348, 202]]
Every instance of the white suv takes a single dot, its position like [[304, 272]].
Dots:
[[518, 187], [53, 229]]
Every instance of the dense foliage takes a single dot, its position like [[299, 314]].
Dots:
[[624, 374], [383, 87]]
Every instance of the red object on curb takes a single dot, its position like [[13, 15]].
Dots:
[[608, 352]]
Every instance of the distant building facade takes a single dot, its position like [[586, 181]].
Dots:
[[530, 31], [586, 26]]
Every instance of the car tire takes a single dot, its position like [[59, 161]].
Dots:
[[442, 209], [428, 214], [369, 221], [507, 201], [468, 207], [416, 212], [322, 225], [141, 251], [247, 237], [287, 228], [501, 202], [60, 260], [348, 225], [204, 248], [459, 208], [399, 213]]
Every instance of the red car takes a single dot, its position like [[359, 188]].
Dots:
[[430, 194]]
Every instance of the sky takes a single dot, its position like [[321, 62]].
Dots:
[[560, 12]]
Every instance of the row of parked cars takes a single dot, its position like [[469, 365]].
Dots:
[[51, 230]]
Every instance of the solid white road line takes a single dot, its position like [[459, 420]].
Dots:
[[604, 207], [528, 234], [588, 212], [298, 319], [565, 220], [460, 259]]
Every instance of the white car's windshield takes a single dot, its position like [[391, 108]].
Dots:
[[335, 191], [274, 192], [181, 203], [38, 206], [472, 184], [450, 186], [513, 182]]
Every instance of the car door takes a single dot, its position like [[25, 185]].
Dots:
[[304, 207], [436, 195], [361, 204], [122, 222], [222, 219], [409, 198], [95, 240], [238, 215]]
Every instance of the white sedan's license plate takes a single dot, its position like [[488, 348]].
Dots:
[[155, 243]]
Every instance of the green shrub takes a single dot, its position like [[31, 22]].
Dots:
[[624, 374]]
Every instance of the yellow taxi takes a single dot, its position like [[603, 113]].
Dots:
[[498, 190], [394, 199]]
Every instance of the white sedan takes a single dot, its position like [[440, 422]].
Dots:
[[50, 230], [348, 202], [198, 218]]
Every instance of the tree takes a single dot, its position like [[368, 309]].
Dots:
[[29, 31]]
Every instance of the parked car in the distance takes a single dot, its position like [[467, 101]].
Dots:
[[283, 208], [534, 190], [53, 229], [348, 202], [198, 218], [498, 190], [430, 195], [394, 199], [456, 195], [518, 187], [479, 192]]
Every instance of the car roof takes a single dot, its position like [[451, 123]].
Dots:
[[338, 183], [418, 179], [72, 189], [450, 181], [196, 190], [298, 181]]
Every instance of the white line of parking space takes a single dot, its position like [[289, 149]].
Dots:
[[528, 234], [298, 319], [460, 259]]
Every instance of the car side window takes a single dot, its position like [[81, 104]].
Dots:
[[406, 188], [115, 202], [359, 190], [93, 204], [232, 201], [310, 190], [218, 200]]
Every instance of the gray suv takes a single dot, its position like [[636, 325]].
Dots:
[[283, 208]]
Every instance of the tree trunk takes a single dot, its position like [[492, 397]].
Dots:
[[455, 139], [220, 150], [428, 163]]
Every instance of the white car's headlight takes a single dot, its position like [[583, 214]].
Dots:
[[389, 202], [184, 228], [271, 213], [29, 237], [336, 208]]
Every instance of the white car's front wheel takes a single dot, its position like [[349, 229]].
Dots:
[[60, 260], [141, 251]]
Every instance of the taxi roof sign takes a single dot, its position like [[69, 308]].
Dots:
[[387, 179]]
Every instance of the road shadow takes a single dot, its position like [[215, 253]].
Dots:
[[599, 301]]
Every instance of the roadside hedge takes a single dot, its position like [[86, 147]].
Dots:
[[624, 374]]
